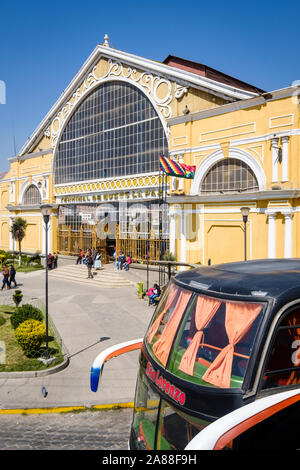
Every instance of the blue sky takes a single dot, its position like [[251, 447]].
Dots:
[[43, 44]]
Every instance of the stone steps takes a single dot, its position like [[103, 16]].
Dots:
[[102, 278]]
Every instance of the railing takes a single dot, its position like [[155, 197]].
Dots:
[[165, 269]]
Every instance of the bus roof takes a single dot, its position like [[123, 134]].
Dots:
[[276, 278]]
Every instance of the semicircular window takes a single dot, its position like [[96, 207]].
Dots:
[[229, 175], [32, 196], [114, 132]]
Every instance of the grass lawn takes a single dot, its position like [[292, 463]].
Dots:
[[27, 269], [15, 359]]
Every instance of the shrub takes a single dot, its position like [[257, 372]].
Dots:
[[2, 320], [169, 257], [35, 259], [17, 297], [25, 260], [24, 313], [29, 335]]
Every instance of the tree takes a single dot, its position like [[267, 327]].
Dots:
[[18, 230]]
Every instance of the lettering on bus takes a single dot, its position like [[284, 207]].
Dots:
[[164, 385]]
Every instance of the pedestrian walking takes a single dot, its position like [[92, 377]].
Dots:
[[5, 280], [79, 258], [89, 263], [12, 276]]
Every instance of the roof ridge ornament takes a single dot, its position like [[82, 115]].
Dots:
[[106, 41]]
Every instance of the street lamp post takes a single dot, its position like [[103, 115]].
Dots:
[[245, 212], [46, 211]]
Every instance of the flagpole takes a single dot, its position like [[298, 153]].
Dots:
[[160, 225]]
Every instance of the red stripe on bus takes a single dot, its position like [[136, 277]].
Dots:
[[251, 421], [131, 347]]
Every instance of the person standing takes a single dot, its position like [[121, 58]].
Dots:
[[49, 261], [89, 263], [79, 258], [12, 276], [54, 260], [97, 262], [5, 280]]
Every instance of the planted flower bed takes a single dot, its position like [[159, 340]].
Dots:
[[23, 335]]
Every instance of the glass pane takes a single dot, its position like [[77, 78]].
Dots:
[[145, 415], [32, 196], [283, 367], [202, 346], [229, 175], [176, 429], [164, 326], [106, 126]]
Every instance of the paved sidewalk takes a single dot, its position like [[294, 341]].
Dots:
[[82, 314]]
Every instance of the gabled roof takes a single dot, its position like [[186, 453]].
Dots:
[[229, 92], [209, 72]]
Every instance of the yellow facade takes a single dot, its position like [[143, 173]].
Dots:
[[205, 122], [264, 133]]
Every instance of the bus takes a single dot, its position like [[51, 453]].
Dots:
[[219, 365]]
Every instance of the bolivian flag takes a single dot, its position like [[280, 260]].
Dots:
[[179, 170]]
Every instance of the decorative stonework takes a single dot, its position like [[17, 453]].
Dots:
[[160, 90], [109, 185]]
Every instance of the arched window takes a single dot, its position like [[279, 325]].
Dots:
[[32, 196], [229, 175], [114, 132]]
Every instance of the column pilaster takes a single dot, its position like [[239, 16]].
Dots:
[[274, 143], [285, 157], [271, 233]]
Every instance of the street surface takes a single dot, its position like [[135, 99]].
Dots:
[[87, 430]]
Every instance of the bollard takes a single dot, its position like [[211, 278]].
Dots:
[[140, 289]]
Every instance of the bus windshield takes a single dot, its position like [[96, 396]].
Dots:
[[203, 339]]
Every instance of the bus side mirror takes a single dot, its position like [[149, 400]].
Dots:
[[109, 353]]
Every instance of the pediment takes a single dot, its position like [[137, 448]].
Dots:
[[163, 84]]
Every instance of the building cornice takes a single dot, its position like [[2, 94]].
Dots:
[[236, 106], [18, 158], [239, 197], [24, 208]]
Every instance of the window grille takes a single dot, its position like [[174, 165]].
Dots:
[[32, 196], [229, 175], [114, 132]]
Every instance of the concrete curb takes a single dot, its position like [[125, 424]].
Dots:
[[35, 373], [66, 409]]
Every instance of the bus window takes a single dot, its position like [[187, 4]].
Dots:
[[215, 341], [145, 415], [176, 429], [162, 330], [283, 366]]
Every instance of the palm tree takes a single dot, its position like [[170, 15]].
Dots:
[[18, 229]]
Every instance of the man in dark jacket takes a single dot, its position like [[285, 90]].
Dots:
[[89, 263], [12, 275]]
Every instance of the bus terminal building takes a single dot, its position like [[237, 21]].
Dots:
[[95, 159]]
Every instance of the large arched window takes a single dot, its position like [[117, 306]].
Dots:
[[229, 175], [114, 132], [32, 196]]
